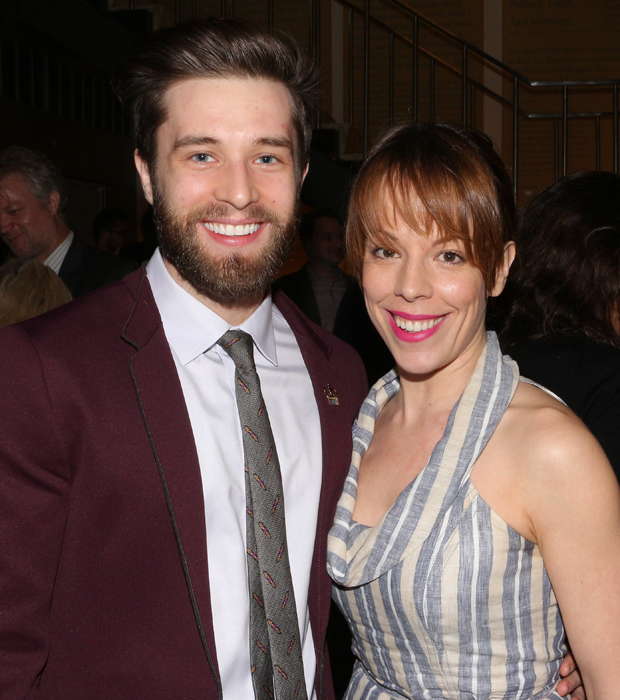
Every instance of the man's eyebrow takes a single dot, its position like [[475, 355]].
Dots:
[[192, 140], [275, 143]]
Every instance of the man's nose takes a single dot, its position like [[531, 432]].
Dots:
[[237, 186]]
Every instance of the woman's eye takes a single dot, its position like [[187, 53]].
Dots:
[[384, 253], [202, 157], [450, 256], [266, 160]]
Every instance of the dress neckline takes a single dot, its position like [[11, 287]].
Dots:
[[359, 553]]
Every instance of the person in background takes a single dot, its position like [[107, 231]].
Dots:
[[330, 297], [562, 317], [32, 202], [142, 251], [111, 230], [27, 289], [318, 287]]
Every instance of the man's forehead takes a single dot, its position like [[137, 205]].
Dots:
[[14, 185], [210, 109]]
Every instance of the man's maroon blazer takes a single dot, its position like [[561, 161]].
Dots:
[[103, 559]]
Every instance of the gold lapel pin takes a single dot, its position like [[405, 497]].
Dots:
[[332, 395]]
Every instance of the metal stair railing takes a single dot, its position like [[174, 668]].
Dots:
[[86, 98], [471, 86]]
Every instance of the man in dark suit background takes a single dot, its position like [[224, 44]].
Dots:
[[319, 286], [123, 564], [32, 202]]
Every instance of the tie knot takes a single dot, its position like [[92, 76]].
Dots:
[[240, 346]]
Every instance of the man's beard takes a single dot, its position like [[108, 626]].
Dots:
[[234, 277]]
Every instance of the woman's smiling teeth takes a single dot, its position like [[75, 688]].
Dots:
[[230, 230], [417, 326]]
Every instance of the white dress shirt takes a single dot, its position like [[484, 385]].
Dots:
[[207, 377], [55, 259]]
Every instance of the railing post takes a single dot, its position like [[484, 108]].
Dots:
[[473, 106], [270, 15], [177, 11], [391, 83], [193, 9], [311, 25], [431, 97], [317, 34], [226, 7], [556, 148], [366, 72], [565, 130], [414, 82], [350, 66], [464, 88], [515, 137]]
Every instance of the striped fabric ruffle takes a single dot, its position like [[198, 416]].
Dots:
[[444, 599]]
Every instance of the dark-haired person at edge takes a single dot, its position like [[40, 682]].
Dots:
[[111, 230], [330, 297], [33, 199], [163, 434], [563, 300], [318, 287], [473, 496]]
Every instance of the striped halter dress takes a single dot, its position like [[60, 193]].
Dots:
[[444, 599]]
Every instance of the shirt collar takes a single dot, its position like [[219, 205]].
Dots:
[[56, 258], [192, 328]]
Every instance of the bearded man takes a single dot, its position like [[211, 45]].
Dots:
[[134, 540]]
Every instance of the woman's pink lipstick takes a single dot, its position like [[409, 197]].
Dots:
[[414, 336]]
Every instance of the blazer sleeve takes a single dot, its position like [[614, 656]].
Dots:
[[34, 486]]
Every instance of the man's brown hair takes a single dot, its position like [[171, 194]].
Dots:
[[457, 177], [214, 48]]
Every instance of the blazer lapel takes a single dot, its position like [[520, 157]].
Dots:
[[167, 423]]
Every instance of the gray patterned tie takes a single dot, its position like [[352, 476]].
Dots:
[[275, 645]]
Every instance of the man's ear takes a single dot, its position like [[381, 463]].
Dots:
[[145, 176], [303, 177], [510, 250], [53, 202]]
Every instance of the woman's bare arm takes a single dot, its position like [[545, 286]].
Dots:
[[573, 503]]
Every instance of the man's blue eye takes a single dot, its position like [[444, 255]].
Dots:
[[266, 160], [201, 157]]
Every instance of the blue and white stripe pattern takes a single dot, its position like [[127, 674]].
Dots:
[[444, 599]]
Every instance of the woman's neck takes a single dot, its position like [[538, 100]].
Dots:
[[438, 392]]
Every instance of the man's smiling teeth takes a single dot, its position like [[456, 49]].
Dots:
[[230, 230], [417, 326]]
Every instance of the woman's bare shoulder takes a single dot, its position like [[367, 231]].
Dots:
[[551, 442]]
